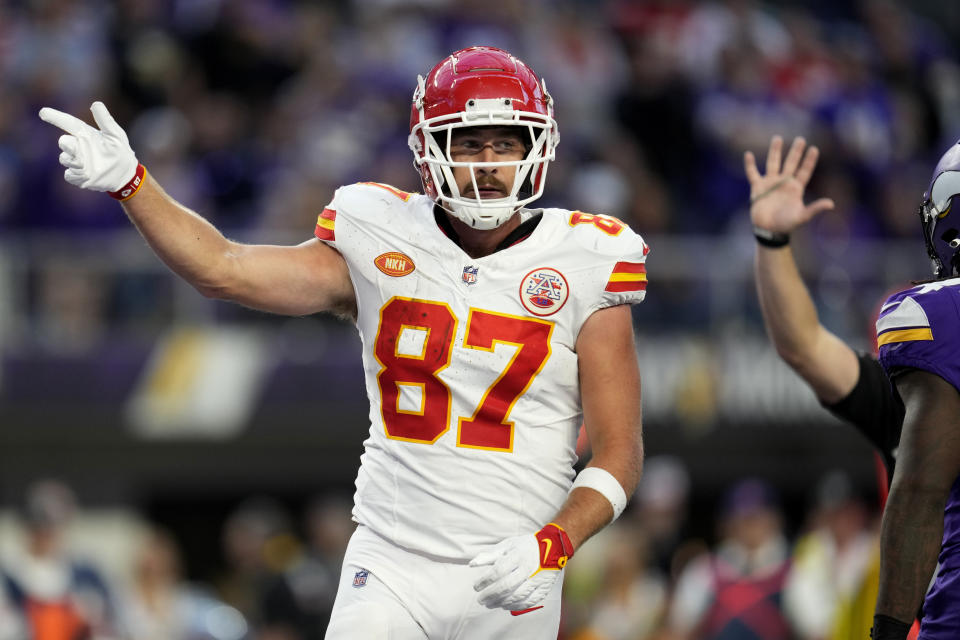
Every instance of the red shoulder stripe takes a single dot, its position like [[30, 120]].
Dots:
[[630, 267], [627, 276], [620, 287], [326, 222]]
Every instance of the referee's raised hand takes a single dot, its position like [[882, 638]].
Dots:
[[776, 199]]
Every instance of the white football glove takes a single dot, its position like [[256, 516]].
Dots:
[[523, 569], [96, 159]]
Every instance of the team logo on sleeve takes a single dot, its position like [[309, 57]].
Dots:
[[470, 274], [394, 263], [544, 291]]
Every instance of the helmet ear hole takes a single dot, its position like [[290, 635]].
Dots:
[[951, 237]]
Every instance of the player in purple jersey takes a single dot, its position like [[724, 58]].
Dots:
[[920, 351]]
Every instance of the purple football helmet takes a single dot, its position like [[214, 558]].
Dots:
[[941, 225]]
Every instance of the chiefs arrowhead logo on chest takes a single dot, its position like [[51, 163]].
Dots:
[[394, 263]]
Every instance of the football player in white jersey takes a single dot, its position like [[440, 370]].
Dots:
[[490, 333]]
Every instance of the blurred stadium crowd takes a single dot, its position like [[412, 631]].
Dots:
[[69, 573], [253, 111]]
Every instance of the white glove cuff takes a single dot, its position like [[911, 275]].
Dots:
[[601, 480]]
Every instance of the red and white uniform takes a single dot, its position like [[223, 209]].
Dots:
[[470, 364]]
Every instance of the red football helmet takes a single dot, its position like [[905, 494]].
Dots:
[[481, 86]]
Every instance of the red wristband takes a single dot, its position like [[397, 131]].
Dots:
[[129, 189], [555, 547]]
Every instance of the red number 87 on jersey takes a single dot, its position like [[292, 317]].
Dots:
[[488, 427]]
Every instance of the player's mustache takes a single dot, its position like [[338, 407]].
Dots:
[[488, 183]]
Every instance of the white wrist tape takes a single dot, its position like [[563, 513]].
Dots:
[[601, 480]]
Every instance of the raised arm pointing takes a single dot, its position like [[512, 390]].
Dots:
[[296, 280]]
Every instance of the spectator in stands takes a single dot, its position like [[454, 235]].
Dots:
[[631, 600], [736, 591], [260, 548], [832, 586], [315, 577], [160, 605], [57, 595], [661, 507]]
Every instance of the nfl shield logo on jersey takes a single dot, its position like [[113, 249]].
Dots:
[[544, 291], [360, 578], [470, 274]]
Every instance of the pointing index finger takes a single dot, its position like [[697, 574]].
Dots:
[[70, 124]]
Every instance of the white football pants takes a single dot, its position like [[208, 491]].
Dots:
[[388, 593]]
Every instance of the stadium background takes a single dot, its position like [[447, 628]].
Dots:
[[157, 406]]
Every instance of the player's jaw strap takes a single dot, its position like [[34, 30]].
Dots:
[[602, 481]]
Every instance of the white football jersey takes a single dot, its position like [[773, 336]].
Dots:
[[470, 364]]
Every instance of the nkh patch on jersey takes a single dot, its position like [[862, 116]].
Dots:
[[544, 291], [395, 263]]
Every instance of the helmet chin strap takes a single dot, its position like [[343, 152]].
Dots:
[[481, 218]]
